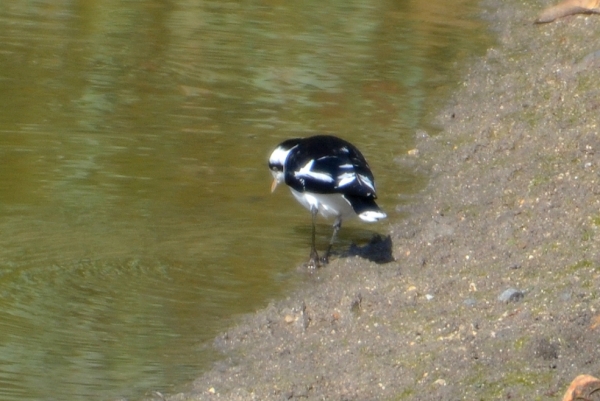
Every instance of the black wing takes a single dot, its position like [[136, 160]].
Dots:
[[326, 164]]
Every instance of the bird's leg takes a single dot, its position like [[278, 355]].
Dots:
[[314, 256], [336, 227]]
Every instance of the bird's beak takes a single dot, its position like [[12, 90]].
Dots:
[[274, 185]]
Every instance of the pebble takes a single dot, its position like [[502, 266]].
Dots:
[[511, 295], [470, 302]]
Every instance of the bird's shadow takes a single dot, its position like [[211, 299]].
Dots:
[[377, 250], [374, 247]]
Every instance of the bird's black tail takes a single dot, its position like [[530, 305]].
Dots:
[[365, 208]]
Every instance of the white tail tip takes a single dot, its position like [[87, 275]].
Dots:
[[372, 216]]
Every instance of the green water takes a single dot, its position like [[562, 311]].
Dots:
[[135, 212]]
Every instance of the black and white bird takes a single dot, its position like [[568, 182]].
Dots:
[[328, 176]]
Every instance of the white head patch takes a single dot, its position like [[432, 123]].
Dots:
[[279, 156]]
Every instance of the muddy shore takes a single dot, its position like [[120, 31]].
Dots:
[[494, 290]]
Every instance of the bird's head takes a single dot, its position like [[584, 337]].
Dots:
[[278, 158]]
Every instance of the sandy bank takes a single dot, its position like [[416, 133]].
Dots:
[[512, 205]]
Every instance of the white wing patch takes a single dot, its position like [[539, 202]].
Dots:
[[345, 179], [306, 171], [365, 180]]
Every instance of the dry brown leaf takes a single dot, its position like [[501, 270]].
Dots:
[[595, 322], [568, 7], [581, 388]]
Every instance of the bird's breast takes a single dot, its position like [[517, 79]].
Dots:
[[328, 205]]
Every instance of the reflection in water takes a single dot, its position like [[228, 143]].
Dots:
[[135, 213]]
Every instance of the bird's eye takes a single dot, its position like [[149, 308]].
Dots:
[[276, 167]]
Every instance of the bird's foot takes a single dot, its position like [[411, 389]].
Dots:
[[314, 261], [325, 258]]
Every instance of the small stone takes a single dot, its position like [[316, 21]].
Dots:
[[355, 306], [511, 295], [429, 297], [421, 134], [546, 349], [469, 302], [289, 319]]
